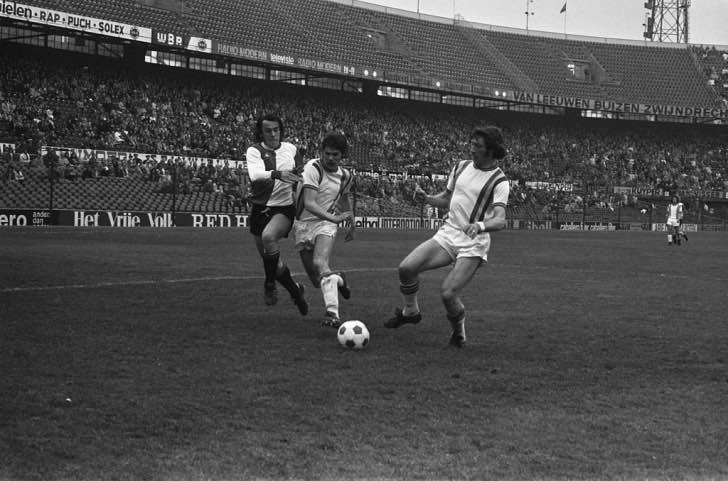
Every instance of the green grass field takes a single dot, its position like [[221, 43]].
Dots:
[[147, 354]]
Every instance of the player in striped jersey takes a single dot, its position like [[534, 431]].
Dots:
[[273, 172], [476, 195], [323, 203], [674, 219]]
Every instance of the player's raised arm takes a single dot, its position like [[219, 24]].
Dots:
[[441, 200]]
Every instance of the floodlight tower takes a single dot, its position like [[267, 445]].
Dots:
[[667, 20]]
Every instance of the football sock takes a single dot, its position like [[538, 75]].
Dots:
[[457, 321], [330, 291], [409, 296], [283, 275], [270, 265], [669, 238]]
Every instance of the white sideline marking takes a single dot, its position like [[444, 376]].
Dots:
[[244, 278], [164, 281]]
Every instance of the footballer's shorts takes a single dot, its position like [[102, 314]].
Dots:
[[458, 244], [306, 231], [671, 222], [260, 215]]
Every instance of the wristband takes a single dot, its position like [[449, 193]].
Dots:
[[275, 174], [481, 227]]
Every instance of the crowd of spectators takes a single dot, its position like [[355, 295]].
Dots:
[[47, 100], [714, 63], [13, 168]]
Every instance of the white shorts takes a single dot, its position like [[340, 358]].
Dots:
[[458, 244], [306, 231], [673, 222]]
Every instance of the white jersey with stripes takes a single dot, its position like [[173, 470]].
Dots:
[[675, 212], [329, 187], [475, 193]]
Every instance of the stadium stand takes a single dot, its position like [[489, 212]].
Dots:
[[123, 11], [429, 49], [49, 98], [629, 73], [434, 49], [714, 63]]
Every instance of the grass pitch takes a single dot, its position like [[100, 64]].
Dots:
[[148, 354]]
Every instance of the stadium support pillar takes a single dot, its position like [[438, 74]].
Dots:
[[572, 114], [134, 54], [700, 214], [619, 216], [651, 209], [174, 194], [370, 88], [51, 174]]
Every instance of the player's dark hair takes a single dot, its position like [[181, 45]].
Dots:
[[493, 138], [336, 141], [259, 126]]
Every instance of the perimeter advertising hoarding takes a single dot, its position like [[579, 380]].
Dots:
[[229, 49], [129, 219], [619, 107], [29, 217], [188, 42], [73, 21], [109, 218]]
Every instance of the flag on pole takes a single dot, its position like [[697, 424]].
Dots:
[[563, 9]]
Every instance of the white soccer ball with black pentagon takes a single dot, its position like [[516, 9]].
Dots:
[[353, 335]]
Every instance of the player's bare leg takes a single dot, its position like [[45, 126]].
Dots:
[[428, 255], [310, 268], [455, 281]]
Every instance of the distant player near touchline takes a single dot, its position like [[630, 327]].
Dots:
[[680, 230], [674, 220], [476, 195], [325, 201]]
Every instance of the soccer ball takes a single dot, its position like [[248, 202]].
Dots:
[[353, 335]]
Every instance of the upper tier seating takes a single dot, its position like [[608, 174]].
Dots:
[[425, 51], [634, 74]]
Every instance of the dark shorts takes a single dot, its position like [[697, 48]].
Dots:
[[260, 215]]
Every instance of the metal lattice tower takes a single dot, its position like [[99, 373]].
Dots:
[[667, 20]]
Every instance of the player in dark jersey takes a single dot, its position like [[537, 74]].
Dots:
[[273, 167]]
